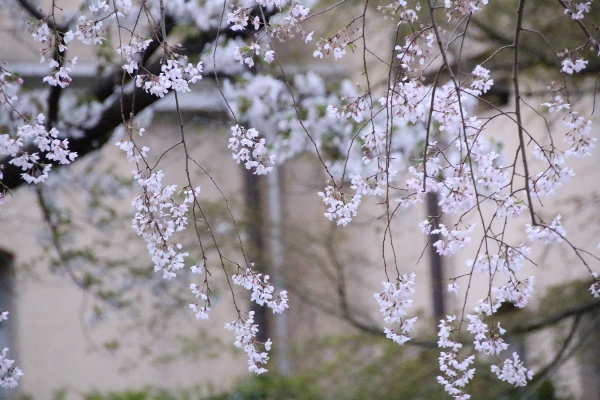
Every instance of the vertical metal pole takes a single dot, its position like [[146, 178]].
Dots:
[[256, 244], [437, 280], [284, 365]]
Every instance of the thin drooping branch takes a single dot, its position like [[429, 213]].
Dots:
[[517, 94], [36, 13]]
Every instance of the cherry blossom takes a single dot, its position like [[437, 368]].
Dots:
[[9, 374], [262, 290], [341, 208], [577, 8], [251, 150], [570, 66], [394, 301], [174, 75], [595, 287], [513, 371], [552, 233], [245, 338]]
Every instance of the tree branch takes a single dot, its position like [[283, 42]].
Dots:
[[130, 102], [544, 322], [39, 15]]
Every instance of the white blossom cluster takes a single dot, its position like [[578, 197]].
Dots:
[[267, 104], [401, 11], [552, 233], [355, 109], [412, 51], [570, 66], [579, 144], [50, 40], [454, 239], [513, 371], [174, 75], [9, 85], [201, 312], [577, 8], [463, 7], [374, 149], [595, 287], [577, 138], [457, 371], [509, 205], [245, 338], [393, 301], [246, 55], [158, 216], [9, 374], [60, 74], [29, 132], [336, 44], [136, 46], [373, 184], [133, 153], [515, 292], [369, 186], [458, 192], [200, 291], [482, 82], [262, 290], [490, 176], [408, 100], [282, 27], [288, 24], [285, 25], [240, 17], [340, 207], [507, 260], [88, 30], [546, 183], [248, 148], [35, 170], [487, 341]]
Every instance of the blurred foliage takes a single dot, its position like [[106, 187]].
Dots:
[[361, 367], [273, 387], [145, 394], [377, 369], [560, 298]]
